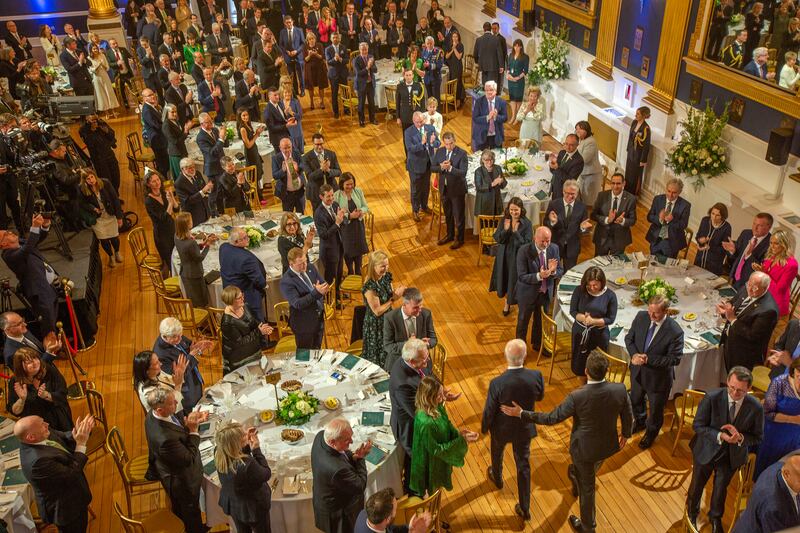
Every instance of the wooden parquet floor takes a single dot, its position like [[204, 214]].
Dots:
[[637, 490]]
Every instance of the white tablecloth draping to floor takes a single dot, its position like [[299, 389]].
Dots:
[[242, 394], [16, 493], [702, 365], [267, 252], [387, 77], [235, 149]]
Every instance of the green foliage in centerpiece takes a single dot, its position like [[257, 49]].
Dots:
[[699, 153], [551, 63], [515, 166], [255, 235], [230, 133], [655, 287], [297, 408]]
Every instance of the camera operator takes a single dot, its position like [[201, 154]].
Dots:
[[7, 103], [9, 189], [101, 141], [38, 139], [36, 84], [35, 275], [66, 181]]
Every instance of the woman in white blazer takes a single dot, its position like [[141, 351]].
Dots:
[[591, 179], [354, 236], [50, 45]]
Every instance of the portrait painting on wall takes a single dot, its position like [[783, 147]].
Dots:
[[645, 67], [626, 54], [637, 38], [736, 110]]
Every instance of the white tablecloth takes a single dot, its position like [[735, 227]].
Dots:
[[702, 365], [15, 500], [235, 149], [242, 394], [61, 83], [386, 76], [535, 182]]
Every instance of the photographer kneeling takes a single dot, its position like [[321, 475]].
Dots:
[[66, 184]]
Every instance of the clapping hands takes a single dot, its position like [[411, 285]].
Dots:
[[469, 436], [363, 450]]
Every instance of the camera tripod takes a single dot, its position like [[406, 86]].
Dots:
[[32, 206]]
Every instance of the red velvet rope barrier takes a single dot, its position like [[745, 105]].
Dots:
[[73, 320]]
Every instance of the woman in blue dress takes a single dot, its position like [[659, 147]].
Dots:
[[518, 62], [594, 307], [781, 418], [714, 230], [292, 109]]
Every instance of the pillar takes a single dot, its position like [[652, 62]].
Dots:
[[665, 81], [105, 20], [490, 8], [603, 62]]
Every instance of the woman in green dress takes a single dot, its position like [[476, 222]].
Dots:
[[378, 298], [189, 49], [414, 62], [489, 181], [518, 62]]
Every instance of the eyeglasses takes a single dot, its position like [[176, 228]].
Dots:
[[17, 324], [291, 224], [734, 390]]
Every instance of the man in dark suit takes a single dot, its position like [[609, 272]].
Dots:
[[523, 387], [290, 181], [314, 16], [655, 344], [750, 319], [120, 68], [275, 119], [336, 56], [174, 456], [488, 116], [34, 273], [17, 336], [163, 72], [248, 94], [410, 320], [668, 217], [18, 42], [70, 31], [211, 142], [398, 37], [211, 96], [758, 65], [786, 349], [240, 267], [390, 16], [348, 26], [409, 98], [538, 266], [567, 219], [488, 55], [420, 141], [152, 130], [174, 52], [749, 248], [193, 192], [292, 43], [341, 477], [379, 514], [181, 97], [328, 219], [149, 63], [176, 351], [52, 461], [595, 409], [77, 65], [567, 165], [305, 290], [503, 46], [197, 68], [365, 69], [772, 506], [615, 214], [321, 167], [450, 162], [218, 45], [196, 29], [728, 424]]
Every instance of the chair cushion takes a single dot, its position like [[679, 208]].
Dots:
[[162, 521], [173, 286], [286, 344], [136, 469], [200, 315], [351, 283]]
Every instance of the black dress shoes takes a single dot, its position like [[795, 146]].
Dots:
[[525, 515], [574, 479], [575, 523], [638, 426], [506, 312], [497, 483], [361, 124], [647, 441], [716, 526], [443, 241], [456, 245]]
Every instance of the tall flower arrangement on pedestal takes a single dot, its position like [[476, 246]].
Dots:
[[551, 64], [699, 153]]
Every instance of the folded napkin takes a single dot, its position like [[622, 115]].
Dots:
[[541, 195], [614, 332], [711, 338]]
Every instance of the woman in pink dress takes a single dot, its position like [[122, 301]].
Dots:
[[781, 266]]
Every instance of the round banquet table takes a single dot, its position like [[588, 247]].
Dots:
[[533, 188], [697, 291], [387, 77], [61, 83], [235, 149], [267, 252], [242, 394]]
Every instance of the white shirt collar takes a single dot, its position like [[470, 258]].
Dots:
[[594, 382], [515, 367], [405, 316], [793, 493], [164, 418], [18, 339]]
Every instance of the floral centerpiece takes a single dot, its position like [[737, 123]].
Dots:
[[50, 71], [230, 133], [398, 65], [551, 64], [655, 287], [515, 166], [255, 235], [699, 153], [736, 18], [297, 408]]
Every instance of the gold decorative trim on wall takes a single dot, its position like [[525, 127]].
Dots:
[[603, 63], [102, 9], [670, 50], [575, 14], [524, 5], [490, 8]]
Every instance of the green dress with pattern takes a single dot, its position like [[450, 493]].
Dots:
[[373, 325], [437, 447]]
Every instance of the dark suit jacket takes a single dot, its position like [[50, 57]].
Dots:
[[50, 471], [403, 384], [174, 64], [664, 352], [595, 409], [152, 127], [489, 56], [566, 234], [10, 347], [213, 151], [245, 494], [241, 267], [337, 70], [788, 341], [330, 235], [770, 506], [418, 154], [339, 483], [520, 385], [408, 102], [756, 257], [168, 354], [362, 73], [22, 52], [245, 100], [206, 99], [452, 183], [192, 256], [712, 414], [79, 76], [680, 221], [316, 177], [174, 458], [745, 342], [27, 264], [191, 198], [528, 267], [113, 70], [176, 139], [567, 170], [197, 73], [177, 97], [362, 527], [149, 65], [306, 305], [296, 43], [213, 45], [395, 334], [753, 69], [618, 234], [276, 125], [268, 72], [480, 127], [279, 171]]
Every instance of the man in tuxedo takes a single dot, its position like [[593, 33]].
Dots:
[[305, 290], [421, 141], [450, 162], [149, 64], [290, 181], [488, 116], [17, 336], [329, 218], [669, 218], [538, 266], [178, 353], [77, 66], [772, 506], [18, 42], [758, 65], [728, 424], [336, 58], [409, 98], [749, 248], [409, 321], [292, 43], [248, 94], [488, 55], [733, 54], [240, 267], [211, 142], [53, 461], [275, 119], [120, 68], [365, 69], [567, 219], [595, 410], [321, 167], [379, 514], [750, 319], [178, 95], [341, 477], [785, 350], [210, 95], [193, 192], [348, 26], [655, 344], [567, 165], [174, 456], [523, 387], [398, 37], [615, 214], [34, 273], [218, 45]]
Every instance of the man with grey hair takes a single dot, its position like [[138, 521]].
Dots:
[[758, 65], [240, 267], [566, 165], [340, 477], [420, 140], [218, 45], [211, 142], [409, 321], [193, 191], [17, 336], [750, 319], [523, 387], [450, 162], [365, 70], [567, 218], [488, 116], [170, 345], [669, 218], [180, 96]]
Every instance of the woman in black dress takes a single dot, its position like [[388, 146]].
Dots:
[[594, 308], [176, 139], [38, 389], [291, 236], [11, 70], [354, 236], [714, 230], [638, 149], [454, 60], [379, 294], [436, 18], [132, 15], [248, 135], [316, 69], [160, 207], [489, 182], [243, 473], [512, 232], [243, 336]]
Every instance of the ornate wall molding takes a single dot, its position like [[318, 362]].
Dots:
[[583, 17], [670, 50], [603, 62]]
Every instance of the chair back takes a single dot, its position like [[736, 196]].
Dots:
[[134, 143], [549, 331], [436, 201], [438, 360], [345, 93], [230, 211], [689, 235], [745, 488], [794, 297], [137, 240], [97, 406], [282, 317], [182, 309], [407, 508], [356, 348], [617, 368], [215, 314], [690, 401], [128, 524], [487, 225], [391, 92], [761, 378], [330, 301], [116, 447], [606, 178], [156, 279], [251, 177], [469, 62], [369, 226]]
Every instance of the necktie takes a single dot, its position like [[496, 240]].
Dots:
[[542, 264], [669, 208], [732, 412], [420, 372], [175, 420], [422, 133], [448, 155], [615, 204], [54, 444], [411, 326], [740, 266], [663, 232], [331, 213], [742, 306], [491, 122], [650, 333], [305, 278], [569, 212], [198, 182], [27, 342]]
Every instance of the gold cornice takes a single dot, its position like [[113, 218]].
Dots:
[[603, 62], [102, 9], [524, 5], [490, 8], [583, 17]]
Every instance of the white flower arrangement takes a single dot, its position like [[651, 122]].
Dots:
[[551, 64], [699, 152]]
